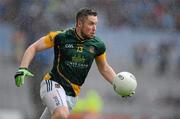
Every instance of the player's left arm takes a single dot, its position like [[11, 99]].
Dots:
[[104, 68]]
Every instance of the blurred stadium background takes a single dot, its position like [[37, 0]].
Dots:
[[142, 37]]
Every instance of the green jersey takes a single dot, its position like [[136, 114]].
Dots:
[[73, 59]]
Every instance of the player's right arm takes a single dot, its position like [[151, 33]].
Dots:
[[41, 44], [30, 52]]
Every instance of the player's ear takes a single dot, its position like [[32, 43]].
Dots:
[[79, 23]]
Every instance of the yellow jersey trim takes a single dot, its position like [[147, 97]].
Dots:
[[47, 76], [101, 57], [49, 39]]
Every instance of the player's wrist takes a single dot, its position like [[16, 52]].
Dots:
[[23, 68], [113, 79], [24, 71]]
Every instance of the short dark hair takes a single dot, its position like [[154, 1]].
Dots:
[[84, 12]]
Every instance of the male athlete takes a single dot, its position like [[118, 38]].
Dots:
[[74, 52]]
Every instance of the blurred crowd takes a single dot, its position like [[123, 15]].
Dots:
[[150, 13], [32, 18], [57, 13], [164, 54]]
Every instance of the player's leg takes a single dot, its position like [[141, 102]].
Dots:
[[47, 115], [53, 95], [60, 112]]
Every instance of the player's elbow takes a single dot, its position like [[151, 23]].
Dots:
[[31, 49], [104, 69]]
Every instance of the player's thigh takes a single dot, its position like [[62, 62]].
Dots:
[[53, 95]]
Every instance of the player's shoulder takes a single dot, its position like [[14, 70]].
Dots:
[[98, 40], [99, 45], [65, 32], [54, 34]]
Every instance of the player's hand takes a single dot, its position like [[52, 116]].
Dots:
[[130, 95], [20, 75]]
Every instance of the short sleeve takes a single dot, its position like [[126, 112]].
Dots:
[[49, 38], [101, 48]]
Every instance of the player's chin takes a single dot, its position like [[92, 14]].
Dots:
[[91, 36]]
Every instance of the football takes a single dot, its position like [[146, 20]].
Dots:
[[125, 84]]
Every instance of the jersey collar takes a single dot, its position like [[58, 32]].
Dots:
[[78, 37]]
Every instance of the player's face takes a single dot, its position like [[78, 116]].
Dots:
[[88, 27]]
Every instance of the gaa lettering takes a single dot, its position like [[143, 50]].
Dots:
[[69, 46]]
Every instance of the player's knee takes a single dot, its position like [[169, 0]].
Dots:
[[60, 113]]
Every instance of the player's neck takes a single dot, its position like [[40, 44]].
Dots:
[[78, 34]]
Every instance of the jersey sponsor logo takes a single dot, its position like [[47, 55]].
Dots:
[[69, 46], [78, 58], [76, 65]]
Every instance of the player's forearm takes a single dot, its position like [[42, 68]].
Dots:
[[28, 56], [108, 73]]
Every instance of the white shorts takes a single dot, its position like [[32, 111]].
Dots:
[[53, 95]]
